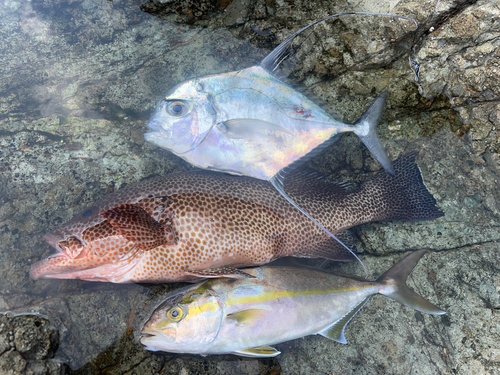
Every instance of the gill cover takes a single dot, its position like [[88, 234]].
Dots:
[[184, 118], [189, 326]]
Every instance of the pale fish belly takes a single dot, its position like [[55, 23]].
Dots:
[[261, 160]]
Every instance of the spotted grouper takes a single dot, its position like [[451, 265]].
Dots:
[[193, 225]]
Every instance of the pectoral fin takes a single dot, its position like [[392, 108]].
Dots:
[[136, 225], [247, 128], [336, 332], [232, 273], [258, 352], [247, 317]]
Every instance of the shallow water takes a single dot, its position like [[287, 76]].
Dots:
[[79, 81]]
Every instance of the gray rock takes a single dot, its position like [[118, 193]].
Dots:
[[78, 80], [31, 342]]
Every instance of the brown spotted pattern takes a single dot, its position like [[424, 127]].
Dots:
[[175, 227], [137, 226]]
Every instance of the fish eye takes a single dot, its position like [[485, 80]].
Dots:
[[175, 314], [177, 108]]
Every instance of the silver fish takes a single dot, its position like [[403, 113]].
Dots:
[[244, 317], [249, 122]]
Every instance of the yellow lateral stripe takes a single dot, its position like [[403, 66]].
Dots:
[[271, 296], [212, 306]]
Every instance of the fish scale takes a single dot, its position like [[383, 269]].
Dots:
[[187, 226]]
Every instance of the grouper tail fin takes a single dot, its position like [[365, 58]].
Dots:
[[403, 196], [395, 280], [366, 129]]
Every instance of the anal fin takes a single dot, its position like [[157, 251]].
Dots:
[[336, 331], [228, 272], [258, 352], [331, 249], [277, 182]]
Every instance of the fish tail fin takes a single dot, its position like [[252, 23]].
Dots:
[[403, 196], [366, 129], [395, 279]]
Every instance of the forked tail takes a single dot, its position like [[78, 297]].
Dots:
[[366, 130], [395, 279]]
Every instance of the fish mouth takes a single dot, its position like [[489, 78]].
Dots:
[[152, 126], [148, 338], [158, 136], [53, 240], [159, 342], [155, 125]]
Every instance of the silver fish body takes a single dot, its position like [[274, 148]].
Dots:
[[246, 123], [279, 304]]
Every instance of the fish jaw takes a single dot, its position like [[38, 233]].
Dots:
[[60, 266], [84, 264], [157, 341]]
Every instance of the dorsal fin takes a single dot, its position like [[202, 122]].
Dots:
[[272, 61], [304, 181]]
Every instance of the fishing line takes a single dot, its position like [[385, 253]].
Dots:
[[278, 185], [273, 60], [276, 58]]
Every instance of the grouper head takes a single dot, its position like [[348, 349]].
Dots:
[[88, 248], [183, 118], [187, 322]]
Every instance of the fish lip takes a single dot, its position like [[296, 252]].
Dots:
[[155, 125], [152, 126], [53, 240], [148, 332], [150, 135]]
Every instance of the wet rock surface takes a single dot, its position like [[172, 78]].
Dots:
[[78, 81], [27, 344]]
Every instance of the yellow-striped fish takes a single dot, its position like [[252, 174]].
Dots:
[[245, 317]]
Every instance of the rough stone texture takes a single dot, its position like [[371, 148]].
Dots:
[[78, 80], [27, 343]]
